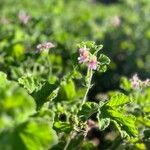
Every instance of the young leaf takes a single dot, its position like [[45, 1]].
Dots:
[[3, 78], [42, 95], [104, 60], [87, 110], [102, 122], [125, 84], [118, 99], [102, 68], [63, 127], [30, 83]]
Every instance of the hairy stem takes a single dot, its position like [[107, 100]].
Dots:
[[68, 141], [89, 77]]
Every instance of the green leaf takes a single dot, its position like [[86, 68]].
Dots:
[[42, 95], [63, 127], [87, 110], [88, 145], [16, 104], [126, 124], [118, 99], [102, 122], [30, 83], [110, 112], [67, 91], [91, 45], [47, 114], [76, 75], [35, 134], [104, 60], [88, 44], [146, 133], [3, 78], [53, 95], [102, 68], [125, 84]]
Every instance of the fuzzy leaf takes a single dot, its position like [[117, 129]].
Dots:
[[42, 95], [102, 68], [87, 110], [30, 83], [104, 60], [118, 99], [63, 127], [125, 123], [102, 122], [35, 134], [125, 84]]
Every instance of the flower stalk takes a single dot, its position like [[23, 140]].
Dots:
[[89, 79]]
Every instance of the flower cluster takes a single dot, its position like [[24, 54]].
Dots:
[[23, 17], [136, 83], [87, 58], [45, 46]]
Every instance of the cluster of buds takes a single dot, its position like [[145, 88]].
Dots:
[[45, 46], [87, 58], [23, 17], [136, 83]]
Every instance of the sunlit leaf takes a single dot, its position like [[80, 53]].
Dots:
[[118, 99], [87, 110]]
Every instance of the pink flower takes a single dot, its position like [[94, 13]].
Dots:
[[84, 55], [45, 46], [83, 49], [23, 17], [92, 63], [135, 82]]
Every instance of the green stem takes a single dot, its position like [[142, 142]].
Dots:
[[68, 141], [49, 66], [89, 77]]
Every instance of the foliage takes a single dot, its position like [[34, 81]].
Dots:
[[66, 94]]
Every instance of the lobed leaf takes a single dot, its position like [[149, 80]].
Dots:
[[30, 83], [87, 110], [104, 60], [118, 99]]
